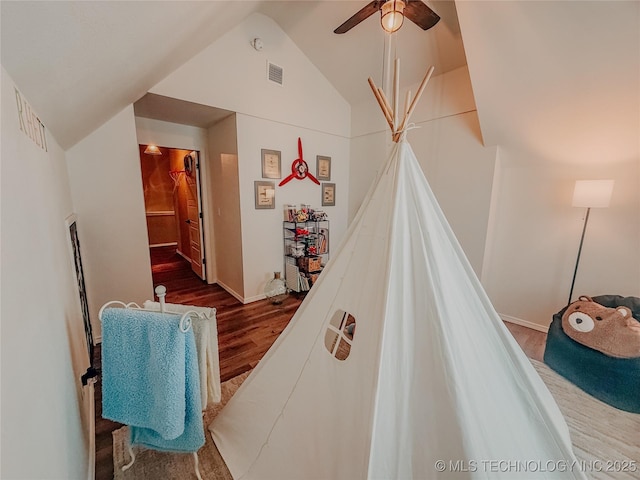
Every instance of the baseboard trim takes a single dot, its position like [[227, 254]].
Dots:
[[232, 292], [255, 298], [179, 252], [525, 323]]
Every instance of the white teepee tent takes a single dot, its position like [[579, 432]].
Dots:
[[430, 375]]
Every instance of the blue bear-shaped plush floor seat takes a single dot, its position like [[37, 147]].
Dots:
[[615, 381]]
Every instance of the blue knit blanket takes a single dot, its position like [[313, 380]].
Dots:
[[150, 379]]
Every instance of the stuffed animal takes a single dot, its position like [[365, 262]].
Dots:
[[612, 331]]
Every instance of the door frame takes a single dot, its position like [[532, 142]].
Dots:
[[200, 206]]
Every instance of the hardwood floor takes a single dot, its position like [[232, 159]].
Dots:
[[531, 341], [245, 333]]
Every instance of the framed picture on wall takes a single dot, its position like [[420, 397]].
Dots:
[[323, 167], [265, 193], [328, 194], [74, 250], [270, 163]]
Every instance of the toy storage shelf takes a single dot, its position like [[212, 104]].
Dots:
[[306, 252]]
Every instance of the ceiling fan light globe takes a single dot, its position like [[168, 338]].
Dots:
[[391, 15]]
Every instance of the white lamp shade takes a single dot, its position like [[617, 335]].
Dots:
[[592, 193]]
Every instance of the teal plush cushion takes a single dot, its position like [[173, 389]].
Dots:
[[615, 381]]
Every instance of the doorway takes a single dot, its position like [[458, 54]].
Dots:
[[173, 203]]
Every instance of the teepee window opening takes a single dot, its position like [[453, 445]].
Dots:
[[339, 335]]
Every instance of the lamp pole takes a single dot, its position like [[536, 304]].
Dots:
[[575, 271]]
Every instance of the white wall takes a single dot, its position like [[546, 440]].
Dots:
[[230, 74], [515, 221], [186, 137], [536, 233], [556, 85], [43, 347], [172, 135], [448, 146], [106, 187], [225, 211], [262, 242]]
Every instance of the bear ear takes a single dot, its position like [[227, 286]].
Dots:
[[624, 311], [584, 298]]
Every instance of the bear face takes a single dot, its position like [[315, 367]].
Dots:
[[612, 331]]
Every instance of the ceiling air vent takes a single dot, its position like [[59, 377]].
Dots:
[[274, 73]]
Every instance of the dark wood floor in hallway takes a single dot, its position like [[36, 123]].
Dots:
[[245, 332]]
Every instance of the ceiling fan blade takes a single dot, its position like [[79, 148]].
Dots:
[[361, 15], [420, 14]]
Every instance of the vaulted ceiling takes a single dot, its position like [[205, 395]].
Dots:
[[561, 79], [81, 62]]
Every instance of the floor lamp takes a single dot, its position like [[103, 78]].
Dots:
[[589, 194]]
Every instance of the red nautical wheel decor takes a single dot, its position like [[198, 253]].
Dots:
[[299, 169]]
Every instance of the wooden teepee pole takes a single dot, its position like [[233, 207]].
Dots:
[[391, 112], [412, 107], [376, 93], [396, 91]]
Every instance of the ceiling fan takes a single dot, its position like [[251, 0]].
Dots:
[[392, 13]]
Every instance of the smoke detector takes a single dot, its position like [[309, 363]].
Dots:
[[257, 44]]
